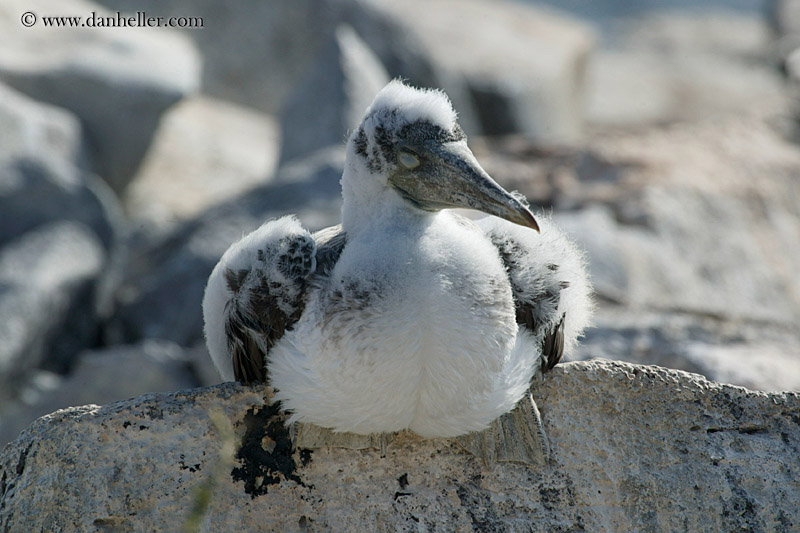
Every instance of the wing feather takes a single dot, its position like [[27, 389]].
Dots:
[[553, 346], [538, 282], [266, 278]]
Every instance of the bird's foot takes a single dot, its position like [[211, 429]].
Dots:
[[517, 436], [312, 437]]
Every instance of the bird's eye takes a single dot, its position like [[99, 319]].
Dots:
[[407, 158]]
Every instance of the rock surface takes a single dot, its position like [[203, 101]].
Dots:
[[332, 96], [784, 15], [41, 180], [205, 152], [524, 68], [101, 377], [48, 286], [756, 355], [251, 56], [57, 226], [690, 231], [162, 289], [683, 65], [696, 217], [633, 448], [118, 82]]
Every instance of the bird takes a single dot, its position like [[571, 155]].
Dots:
[[407, 315]]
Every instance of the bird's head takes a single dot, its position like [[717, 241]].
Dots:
[[411, 142]]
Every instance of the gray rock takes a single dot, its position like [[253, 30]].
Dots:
[[284, 39], [30, 128], [252, 56], [117, 81], [331, 98], [40, 178], [523, 67], [756, 355], [57, 226], [101, 377], [684, 65], [785, 16], [713, 30], [393, 37], [792, 68], [633, 448], [48, 287], [694, 218], [204, 152], [690, 232], [162, 289], [762, 364], [672, 265], [607, 13], [202, 365]]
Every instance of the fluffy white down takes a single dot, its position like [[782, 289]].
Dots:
[[412, 104], [435, 348], [430, 344], [240, 255], [416, 327], [554, 247], [367, 194]]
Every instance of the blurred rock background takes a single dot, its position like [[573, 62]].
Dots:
[[662, 137]]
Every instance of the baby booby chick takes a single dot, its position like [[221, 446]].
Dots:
[[407, 315]]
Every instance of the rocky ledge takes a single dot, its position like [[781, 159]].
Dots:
[[633, 448]]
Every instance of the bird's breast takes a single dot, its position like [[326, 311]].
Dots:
[[422, 300], [401, 336]]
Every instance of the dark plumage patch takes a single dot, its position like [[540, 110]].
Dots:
[[358, 295], [360, 142], [353, 296], [235, 279], [255, 316], [457, 133], [328, 253], [382, 148], [374, 163], [254, 319], [535, 312], [296, 262], [423, 130], [363, 149], [253, 323], [553, 346], [385, 144]]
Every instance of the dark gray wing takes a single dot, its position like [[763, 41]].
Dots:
[[270, 297], [537, 293]]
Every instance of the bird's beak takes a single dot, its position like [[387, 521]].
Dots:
[[450, 176]]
